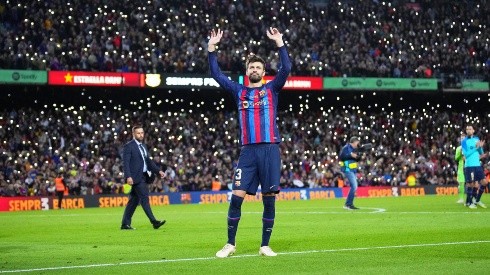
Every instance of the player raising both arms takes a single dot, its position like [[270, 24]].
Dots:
[[259, 160]]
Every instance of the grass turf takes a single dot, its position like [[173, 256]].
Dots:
[[394, 235]]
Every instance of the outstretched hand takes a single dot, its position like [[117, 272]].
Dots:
[[215, 37], [274, 34]]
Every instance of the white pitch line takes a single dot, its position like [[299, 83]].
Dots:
[[442, 212], [242, 256], [376, 211]]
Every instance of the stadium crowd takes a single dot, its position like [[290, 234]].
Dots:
[[338, 38], [351, 38], [199, 146]]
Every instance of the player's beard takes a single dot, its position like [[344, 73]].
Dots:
[[254, 78]]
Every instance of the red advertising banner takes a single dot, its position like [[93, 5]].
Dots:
[[77, 78], [24, 203], [295, 82], [372, 192], [404, 191], [208, 197]]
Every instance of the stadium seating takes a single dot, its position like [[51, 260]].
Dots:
[[351, 38], [199, 145], [331, 38]]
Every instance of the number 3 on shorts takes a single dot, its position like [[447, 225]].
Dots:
[[238, 174]]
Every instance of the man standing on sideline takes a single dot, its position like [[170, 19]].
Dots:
[[139, 170], [348, 165], [60, 186], [458, 156], [259, 160], [476, 182]]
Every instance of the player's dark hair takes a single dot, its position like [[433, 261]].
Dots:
[[472, 125], [136, 126], [254, 58]]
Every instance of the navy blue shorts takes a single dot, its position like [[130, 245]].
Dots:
[[258, 163], [472, 174]]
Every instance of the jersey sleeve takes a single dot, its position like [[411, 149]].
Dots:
[[223, 81], [458, 155], [282, 74]]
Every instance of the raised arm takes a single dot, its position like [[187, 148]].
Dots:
[[216, 73], [214, 39], [285, 65]]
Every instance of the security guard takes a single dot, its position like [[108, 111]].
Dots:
[[348, 165], [60, 186]]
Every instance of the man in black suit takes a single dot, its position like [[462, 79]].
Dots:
[[139, 170]]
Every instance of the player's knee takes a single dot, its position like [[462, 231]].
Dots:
[[236, 202], [235, 210], [239, 193]]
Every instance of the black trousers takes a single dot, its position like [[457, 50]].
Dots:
[[60, 194], [139, 195]]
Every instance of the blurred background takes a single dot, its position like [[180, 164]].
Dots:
[[404, 75]]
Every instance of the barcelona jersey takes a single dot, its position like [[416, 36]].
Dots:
[[257, 107]]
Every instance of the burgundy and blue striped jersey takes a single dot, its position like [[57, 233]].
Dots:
[[257, 107]]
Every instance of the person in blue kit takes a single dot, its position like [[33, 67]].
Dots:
[[476, 182], [259, 160], [139, 170], [348, 165]]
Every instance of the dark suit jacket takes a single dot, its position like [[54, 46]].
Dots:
[[133, 163]]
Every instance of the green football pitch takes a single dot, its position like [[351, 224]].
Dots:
[[396, 235]]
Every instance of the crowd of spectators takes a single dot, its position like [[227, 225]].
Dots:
[[199, 145], [333, 38]]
